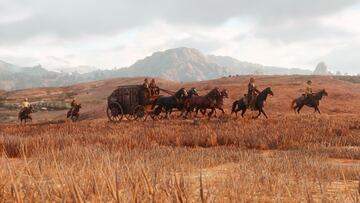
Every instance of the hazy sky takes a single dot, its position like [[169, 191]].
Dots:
[[109, 33]]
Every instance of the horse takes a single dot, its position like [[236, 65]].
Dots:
[[203, 102], [74, 112], [192, 92], [219, 103], [312, 101], [168, 103], [25, 114], [240, 105]]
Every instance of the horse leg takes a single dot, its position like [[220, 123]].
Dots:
[[295, 108], [256, 117], [243, 112], [202, 111], [211, 112], [189, 109], [170, 111], [317, 109], [299, 108], [181, 113], [263, 112], [197, 111]]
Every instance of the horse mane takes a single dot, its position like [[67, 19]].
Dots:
[[177, 94], [265, 90], [216, 89], [320, 94], [263, 94]]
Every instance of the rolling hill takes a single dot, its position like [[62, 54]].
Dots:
[[93, 95]]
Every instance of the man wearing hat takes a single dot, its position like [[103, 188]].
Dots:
[[308, 90], [25, 104], [73, 105], [252, 93], [154, 89], [146, 88]]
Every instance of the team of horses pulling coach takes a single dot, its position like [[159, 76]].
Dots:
[[139, 102]]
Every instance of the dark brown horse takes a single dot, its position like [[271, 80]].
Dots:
[[25, 115], [203, 102], [219, 103], [240, 105], [192, 92], [74, 113], [312, 101]]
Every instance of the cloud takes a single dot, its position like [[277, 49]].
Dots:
[[12, 12], [68, 18], [117, 33]]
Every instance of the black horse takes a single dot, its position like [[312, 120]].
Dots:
[[168, 103], [240, 105], [25, 115], [312, 101]]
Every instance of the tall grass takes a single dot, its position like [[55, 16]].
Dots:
[[177, 161]]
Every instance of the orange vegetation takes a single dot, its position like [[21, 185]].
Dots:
[[288, 158]]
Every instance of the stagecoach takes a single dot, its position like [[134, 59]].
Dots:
[[131, 102]]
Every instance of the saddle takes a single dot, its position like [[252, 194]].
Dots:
[[307, 97], [250, 104], [25, 110]]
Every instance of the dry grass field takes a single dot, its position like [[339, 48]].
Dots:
[[288, 158]]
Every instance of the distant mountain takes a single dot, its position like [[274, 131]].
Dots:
[[233, 65], [7, 68], [187, 64], [245, 68], [180, 64]]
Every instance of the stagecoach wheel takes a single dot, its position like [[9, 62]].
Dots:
[[131, 116], [139, 113], [114, 112], [154, 116]]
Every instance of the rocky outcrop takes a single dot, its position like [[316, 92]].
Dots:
[[321, 69]]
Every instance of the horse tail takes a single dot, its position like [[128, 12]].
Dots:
[[234, 106], [292, 104]]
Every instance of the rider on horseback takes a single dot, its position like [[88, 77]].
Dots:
[[73, 104], [308, 90], [252, 93], [25, 104]]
